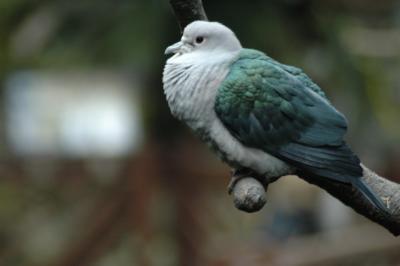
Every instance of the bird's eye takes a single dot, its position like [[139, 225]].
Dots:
[[199, 39]]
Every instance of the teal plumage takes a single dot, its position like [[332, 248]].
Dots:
[[286, 107]]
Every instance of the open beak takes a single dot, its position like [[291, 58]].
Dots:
[[173, 49]]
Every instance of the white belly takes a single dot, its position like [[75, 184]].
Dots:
[[238, 154]]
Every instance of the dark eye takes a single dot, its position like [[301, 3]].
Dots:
[[199, 39]]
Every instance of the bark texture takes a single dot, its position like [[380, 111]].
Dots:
[[249, 193]]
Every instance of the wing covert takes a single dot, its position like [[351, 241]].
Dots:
[[266, 107]]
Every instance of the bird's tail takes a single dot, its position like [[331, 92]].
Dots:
[[369, 194]]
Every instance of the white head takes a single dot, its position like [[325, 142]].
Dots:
[[192, 76], [203, 36]]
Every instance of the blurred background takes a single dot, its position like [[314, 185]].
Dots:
[[95, 171]]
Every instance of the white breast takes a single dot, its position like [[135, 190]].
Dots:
[[190, 90], [191, 83]]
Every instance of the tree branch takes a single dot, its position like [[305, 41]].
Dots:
[[249, 193], [387, 190], [187, 11]]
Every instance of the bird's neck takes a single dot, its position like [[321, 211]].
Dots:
[[191, 84]]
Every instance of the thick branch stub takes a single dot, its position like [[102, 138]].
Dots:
[[248, 194], [188, 11]]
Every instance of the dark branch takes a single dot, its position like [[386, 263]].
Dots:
[[249, 194], [188, 11], [387, 190]]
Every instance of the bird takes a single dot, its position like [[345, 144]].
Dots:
[[259, 116]]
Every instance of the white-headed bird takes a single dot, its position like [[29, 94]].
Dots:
[[258, 115]]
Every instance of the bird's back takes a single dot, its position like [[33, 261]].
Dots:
[[295, 71]]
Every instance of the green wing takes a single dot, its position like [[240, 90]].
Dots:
[[301, 76], [278, 109]]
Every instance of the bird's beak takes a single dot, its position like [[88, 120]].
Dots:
[[173, 49]]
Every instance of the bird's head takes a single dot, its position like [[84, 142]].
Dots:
[[205, 37]]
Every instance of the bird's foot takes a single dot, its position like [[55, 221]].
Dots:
[[238, 174]]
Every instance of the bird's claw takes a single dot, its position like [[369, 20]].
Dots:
[[232, 183]]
